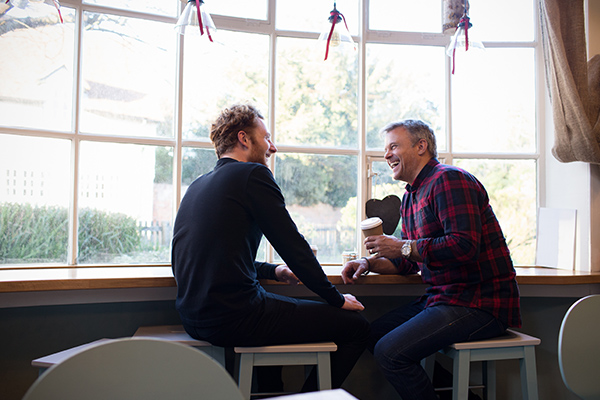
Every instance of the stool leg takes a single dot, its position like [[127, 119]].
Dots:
[[461, 370], [246, 365], [489, 380], [218, 353], [428, 364], [529, 374], [324, 370]]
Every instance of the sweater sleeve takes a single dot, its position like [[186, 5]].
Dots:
[[265, 270], [268, 207]]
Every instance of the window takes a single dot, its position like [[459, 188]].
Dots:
[[104, 118]]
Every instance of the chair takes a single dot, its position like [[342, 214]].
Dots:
[[579, 348], [512, 345], [176, 333], [291, 354], [334, 394], [135, 369]]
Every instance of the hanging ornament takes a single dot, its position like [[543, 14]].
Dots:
[[195, 14], [461, 39], [56, 4], [337, 34]]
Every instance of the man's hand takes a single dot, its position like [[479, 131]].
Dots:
[[384, 246], [285, 274], [352, 304], [353, 270]]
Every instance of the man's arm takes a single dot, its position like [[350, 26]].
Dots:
[[355, 268], [267, 206], [391, 247]]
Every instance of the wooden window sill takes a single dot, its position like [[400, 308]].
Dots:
[[158, 276]]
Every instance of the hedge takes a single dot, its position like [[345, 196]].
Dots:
[[30, 234]]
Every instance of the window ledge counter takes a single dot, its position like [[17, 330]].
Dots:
[[107, 284]]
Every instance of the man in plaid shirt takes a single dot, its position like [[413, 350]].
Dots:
[[452, 237]]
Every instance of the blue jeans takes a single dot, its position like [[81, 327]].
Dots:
[[402, 338]]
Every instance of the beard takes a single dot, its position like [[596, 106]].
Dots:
[[257, 155]]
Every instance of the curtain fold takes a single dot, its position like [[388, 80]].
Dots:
[[573, 81]]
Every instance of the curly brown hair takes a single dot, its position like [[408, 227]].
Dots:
[[223, 132]]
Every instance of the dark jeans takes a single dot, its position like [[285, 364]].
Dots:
[[286, 320], [403, 337]]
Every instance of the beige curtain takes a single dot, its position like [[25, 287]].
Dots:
[[573, 81]]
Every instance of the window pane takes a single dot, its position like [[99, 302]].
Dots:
[[196, 162], [125, 203], [398, 88], [513, 21], [128, 76], [313, 15], [37, 66], [494, 115], [160, 7], [512, 188], [320, 193], [405, 15], [253, 9], [218, 75], [34, 199], [316, 101]]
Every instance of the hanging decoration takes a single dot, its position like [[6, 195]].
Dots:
[[195, 14], [461, 39], [452, 11], [56, 4], [336, 34]]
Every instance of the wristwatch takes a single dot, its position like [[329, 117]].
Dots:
[[407, 249]]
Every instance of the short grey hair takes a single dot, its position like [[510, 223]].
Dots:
[[418, 130]]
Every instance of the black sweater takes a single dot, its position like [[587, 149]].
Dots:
[[217, 232]]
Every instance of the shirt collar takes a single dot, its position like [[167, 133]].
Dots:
[[424, 173]]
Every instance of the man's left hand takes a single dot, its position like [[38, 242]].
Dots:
[[285, 274], [384, 246]]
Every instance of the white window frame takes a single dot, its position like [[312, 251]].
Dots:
[[365, 156]]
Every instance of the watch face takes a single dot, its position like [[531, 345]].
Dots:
[[406, 249]]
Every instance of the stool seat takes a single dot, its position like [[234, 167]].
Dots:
[[177, 334], [510, 339], [171, 333], [317, 354], [289, 348], [512, 345]]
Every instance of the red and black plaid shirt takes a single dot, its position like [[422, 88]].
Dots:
[[465, 257]]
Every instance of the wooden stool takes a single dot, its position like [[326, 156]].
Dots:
[[513, 345], [176, 333], [289, 354]]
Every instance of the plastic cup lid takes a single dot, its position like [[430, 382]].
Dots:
[[371, 223]]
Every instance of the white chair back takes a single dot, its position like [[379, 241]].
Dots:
[[579, 348], [136, 369]]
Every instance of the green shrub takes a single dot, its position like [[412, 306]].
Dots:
[[31, 234]]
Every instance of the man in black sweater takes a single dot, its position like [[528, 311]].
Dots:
[[217, 232]]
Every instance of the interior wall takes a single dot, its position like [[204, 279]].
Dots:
[[32, 332]]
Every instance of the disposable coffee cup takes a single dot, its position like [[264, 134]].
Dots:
[[372, 227], [314, 249]]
